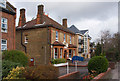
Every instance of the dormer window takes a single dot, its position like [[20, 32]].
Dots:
[[26, 39], [4, 25], [56, 35]]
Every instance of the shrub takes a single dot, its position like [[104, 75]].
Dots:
[[15, 56], [40, 72], [57, 61], [7, 66], [98, 64], [16, 73]]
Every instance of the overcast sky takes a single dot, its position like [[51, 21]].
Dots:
[[94, 15]]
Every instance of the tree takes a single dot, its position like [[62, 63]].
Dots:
[[98, 49]]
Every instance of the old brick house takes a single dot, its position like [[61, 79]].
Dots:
[[44, 39], [7, 23]]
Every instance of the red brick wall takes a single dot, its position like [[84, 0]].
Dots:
[[10, 35]]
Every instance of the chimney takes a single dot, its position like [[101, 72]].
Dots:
[[22, 19], [65, 23], [40, 14]]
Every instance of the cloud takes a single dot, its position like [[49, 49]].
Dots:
[[95, 16]]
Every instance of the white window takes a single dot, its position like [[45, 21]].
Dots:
[[64, 37], [3, 3], [3, 25], [55, 53], [26, 39], [70, 40], [79, 37], [3, 44], [61, 52], [56, 35]]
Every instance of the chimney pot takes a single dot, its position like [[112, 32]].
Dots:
[[22, 19], [65, 22], [40, 14]]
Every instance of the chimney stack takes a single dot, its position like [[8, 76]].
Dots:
[[22, 19], [65, 23], [40, 14]]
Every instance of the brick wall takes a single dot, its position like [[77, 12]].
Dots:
[[37, 46], [61, 36], [10, 35]]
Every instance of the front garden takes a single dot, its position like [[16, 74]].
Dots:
[[15, 65]]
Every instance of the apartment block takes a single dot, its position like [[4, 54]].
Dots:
[[83, 41]]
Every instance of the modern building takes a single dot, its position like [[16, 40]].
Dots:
[[7, 23], [83, 40], [44, 39]]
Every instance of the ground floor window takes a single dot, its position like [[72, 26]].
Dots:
[[3, 44], [55, 53], [61, 50], [70, 53]]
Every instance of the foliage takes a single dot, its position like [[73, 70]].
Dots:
[[7, 67], [40, 72], [15, 56], [112, 54], [57, 61], [16, 73], [103, 54], [98, 49], [98, 64]]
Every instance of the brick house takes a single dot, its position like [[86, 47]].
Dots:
[[83, 40], [44, 39], [7, 23]]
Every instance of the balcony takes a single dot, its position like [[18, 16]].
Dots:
[[80, 50], [80, 41]]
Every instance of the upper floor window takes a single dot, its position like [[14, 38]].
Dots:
[[70, 39], [26, 39], [3, 25], [56, 35], [64, 37], [3, 44], [3, 3], [79, 37]]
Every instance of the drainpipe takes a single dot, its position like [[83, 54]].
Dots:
[[22, 43]]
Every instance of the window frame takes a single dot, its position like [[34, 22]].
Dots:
[[3, 44], [64, 37], [5, 23], [55, 53], [56, 35]]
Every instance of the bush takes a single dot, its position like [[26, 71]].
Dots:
[[40, 72], [7, 66], [15, 56], [98, 64], [57, 61], [16, 73]]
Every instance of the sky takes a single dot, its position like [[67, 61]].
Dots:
[[94, 15]]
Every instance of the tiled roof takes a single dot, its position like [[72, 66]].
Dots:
[[72, 46], [56, 43], [46, 21], [75, 30]]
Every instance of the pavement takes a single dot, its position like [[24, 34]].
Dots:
[[114, 74], [82, 70]]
